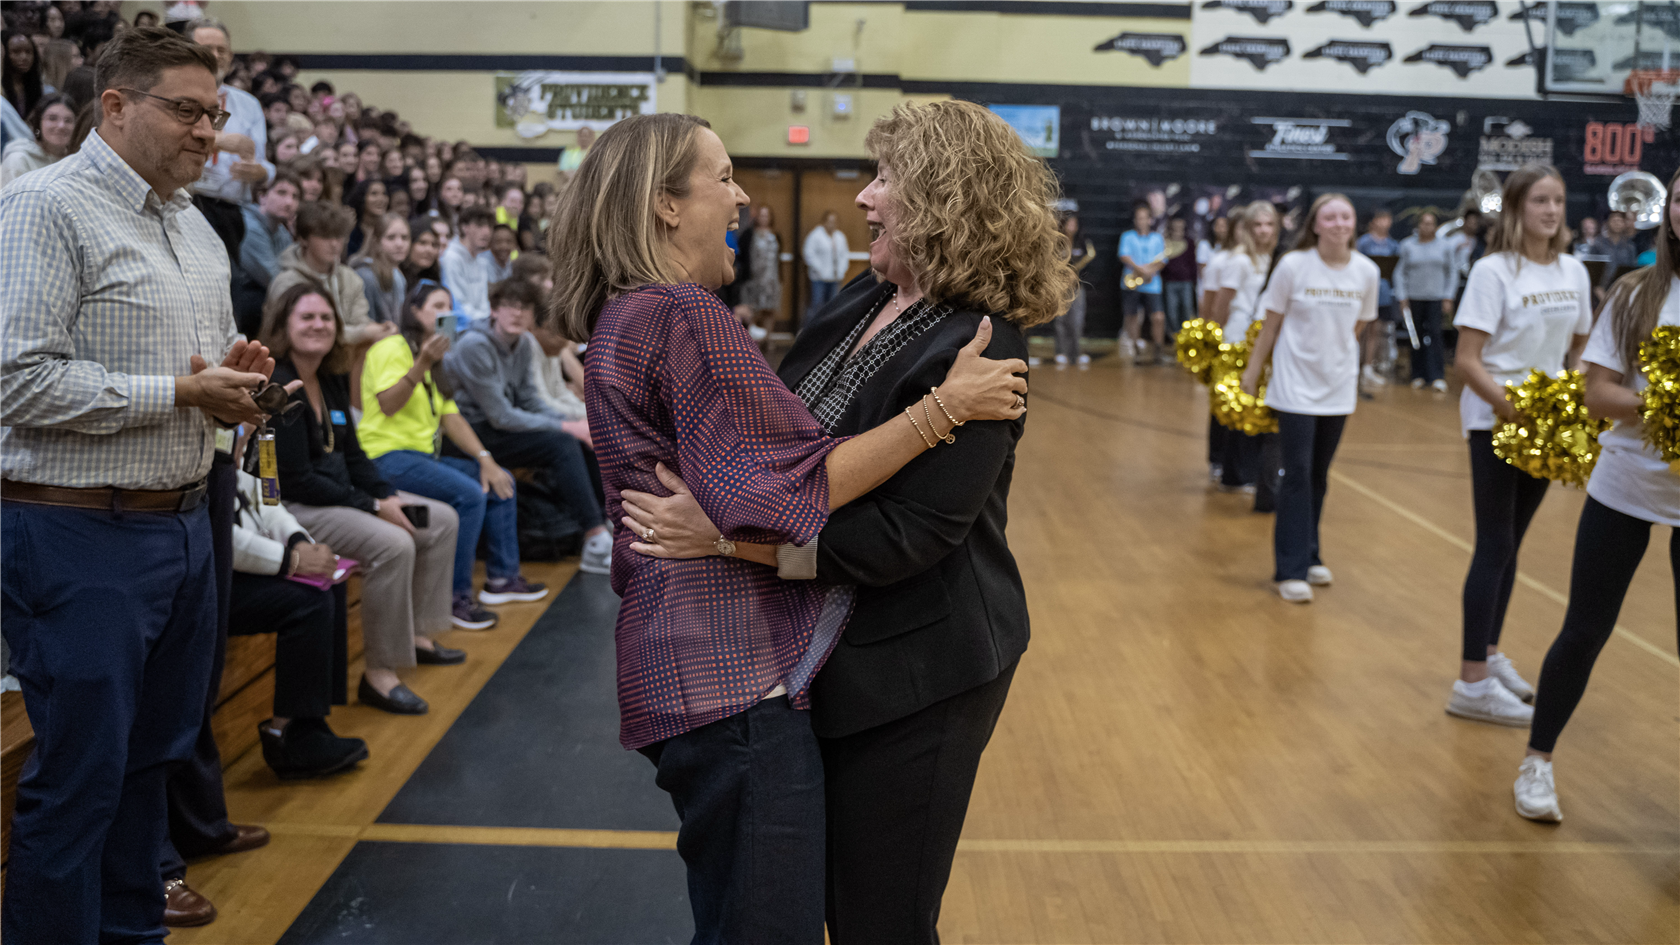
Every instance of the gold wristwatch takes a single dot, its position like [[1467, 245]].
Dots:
[[724, 546]]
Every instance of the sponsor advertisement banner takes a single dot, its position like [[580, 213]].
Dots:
[[537, 102]]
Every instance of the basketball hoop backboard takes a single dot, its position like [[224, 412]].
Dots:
[[1593, 48]]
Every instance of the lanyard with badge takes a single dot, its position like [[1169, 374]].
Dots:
[[272, 400]]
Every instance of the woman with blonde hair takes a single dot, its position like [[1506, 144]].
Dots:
[[961, 216], [1241, 279], [716, 654], [1320, 296], [1631, 489], [1527, 304]]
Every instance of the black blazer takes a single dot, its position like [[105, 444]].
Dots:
[[940, 606], [309, 475]]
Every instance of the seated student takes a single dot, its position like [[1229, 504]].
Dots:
[[407, 409], [268, 226], [463, 276], [270, 546], [334, 490], [423, 249], [321, 231], [493, 368], [498, 259], [381, 268], [510, 203], [559, 372]]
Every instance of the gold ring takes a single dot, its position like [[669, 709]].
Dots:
[[1020, 402], [648, 535]]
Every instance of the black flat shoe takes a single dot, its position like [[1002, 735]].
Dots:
[[439, 655], [309, 749], [401, 701]]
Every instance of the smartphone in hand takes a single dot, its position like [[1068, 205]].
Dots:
[[419, 516], [446, 326]]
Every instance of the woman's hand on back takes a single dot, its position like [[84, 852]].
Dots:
[[979, 388], [680, 529]]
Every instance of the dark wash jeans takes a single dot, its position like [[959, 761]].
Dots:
[[749, 791]]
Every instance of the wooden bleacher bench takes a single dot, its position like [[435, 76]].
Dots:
[[247, 697]]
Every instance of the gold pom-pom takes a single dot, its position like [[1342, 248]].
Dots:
[[1198, 347], [1232, 406], [1556, 438], [1660, 412]]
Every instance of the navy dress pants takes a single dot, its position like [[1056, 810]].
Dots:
[[1307, 444], [111, 620]]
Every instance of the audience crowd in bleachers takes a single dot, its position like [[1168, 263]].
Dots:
[[398, 277]]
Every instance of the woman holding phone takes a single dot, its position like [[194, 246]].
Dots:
[[408, 409], [338, 494]]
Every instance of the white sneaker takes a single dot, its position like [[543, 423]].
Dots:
[[597, 554], [1319, 576], [1061, 360], [1035, 362], [1128, 349], [1083, 360], [1296, 592], [1501, 668], [1371, 377], [1536, 791], [1488, 701], [1440, 387], [1417, 383], [1216, 471]]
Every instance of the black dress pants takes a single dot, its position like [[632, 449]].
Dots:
[[198, 818], [897, 797], [1307, 443], [1428, 362], [1608, 547], [303, 618]]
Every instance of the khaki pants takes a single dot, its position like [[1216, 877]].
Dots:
[[405, 580]]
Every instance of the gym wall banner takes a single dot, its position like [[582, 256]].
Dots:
[[1363, 47], [537, 102]]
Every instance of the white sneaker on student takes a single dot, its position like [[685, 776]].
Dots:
[[1319, 576], [1083, 360], [1128, 349], [1296, 592], [1501, 668], [1061, 360], [1440, 386], [1370, 376], [1417, 383], [1488, 701], [1034, 361], [1536, 791], [597, 554]]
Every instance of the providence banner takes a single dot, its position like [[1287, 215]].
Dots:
[[537, 102]]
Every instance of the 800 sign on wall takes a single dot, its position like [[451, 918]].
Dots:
[[1613, 147]]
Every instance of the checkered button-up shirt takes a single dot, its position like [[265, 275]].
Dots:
[[106, 293], [672, 377]]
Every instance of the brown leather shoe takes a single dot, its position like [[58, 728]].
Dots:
[[184, 908], [245, 837]]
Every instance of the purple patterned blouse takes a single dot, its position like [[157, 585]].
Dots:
[[672, 377]]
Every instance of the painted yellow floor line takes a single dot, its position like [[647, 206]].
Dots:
[[1308, 846], [667, 840], [1522, 577]]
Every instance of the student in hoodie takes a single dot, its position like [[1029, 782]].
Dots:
[[321, 230], [381, 269], [465, 278], [50, 127], [492, 365]]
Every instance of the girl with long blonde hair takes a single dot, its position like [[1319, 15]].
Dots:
[[1631, 489], [1241, 279], [1527, 305], [1320, 297]]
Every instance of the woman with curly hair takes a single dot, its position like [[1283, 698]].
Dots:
[[963, 227], [716, 654]]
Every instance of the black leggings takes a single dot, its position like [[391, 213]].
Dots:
[[1505, 499], [1306, 444], [1608, 547]]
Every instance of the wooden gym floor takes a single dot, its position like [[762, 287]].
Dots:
[[1184, 758]]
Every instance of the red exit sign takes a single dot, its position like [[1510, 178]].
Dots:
[[799, 134]]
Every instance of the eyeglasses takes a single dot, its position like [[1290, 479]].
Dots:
[[187, 111]]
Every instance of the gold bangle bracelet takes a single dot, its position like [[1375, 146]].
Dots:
[[925, 440], [949, 437], [936, 399]]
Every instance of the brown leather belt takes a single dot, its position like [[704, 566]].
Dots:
[[106, 499]]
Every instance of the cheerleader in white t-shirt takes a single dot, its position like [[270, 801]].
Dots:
[[1631, 489], [1320, 298], [1526, 305], [1241, 279], [1218, 251]]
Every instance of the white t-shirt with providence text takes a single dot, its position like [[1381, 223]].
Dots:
[[1630, 475], [1531, 313], [1315, 363], [1240, 273]]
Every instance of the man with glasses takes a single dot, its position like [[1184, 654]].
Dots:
[[116, 303], [241, 156]]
